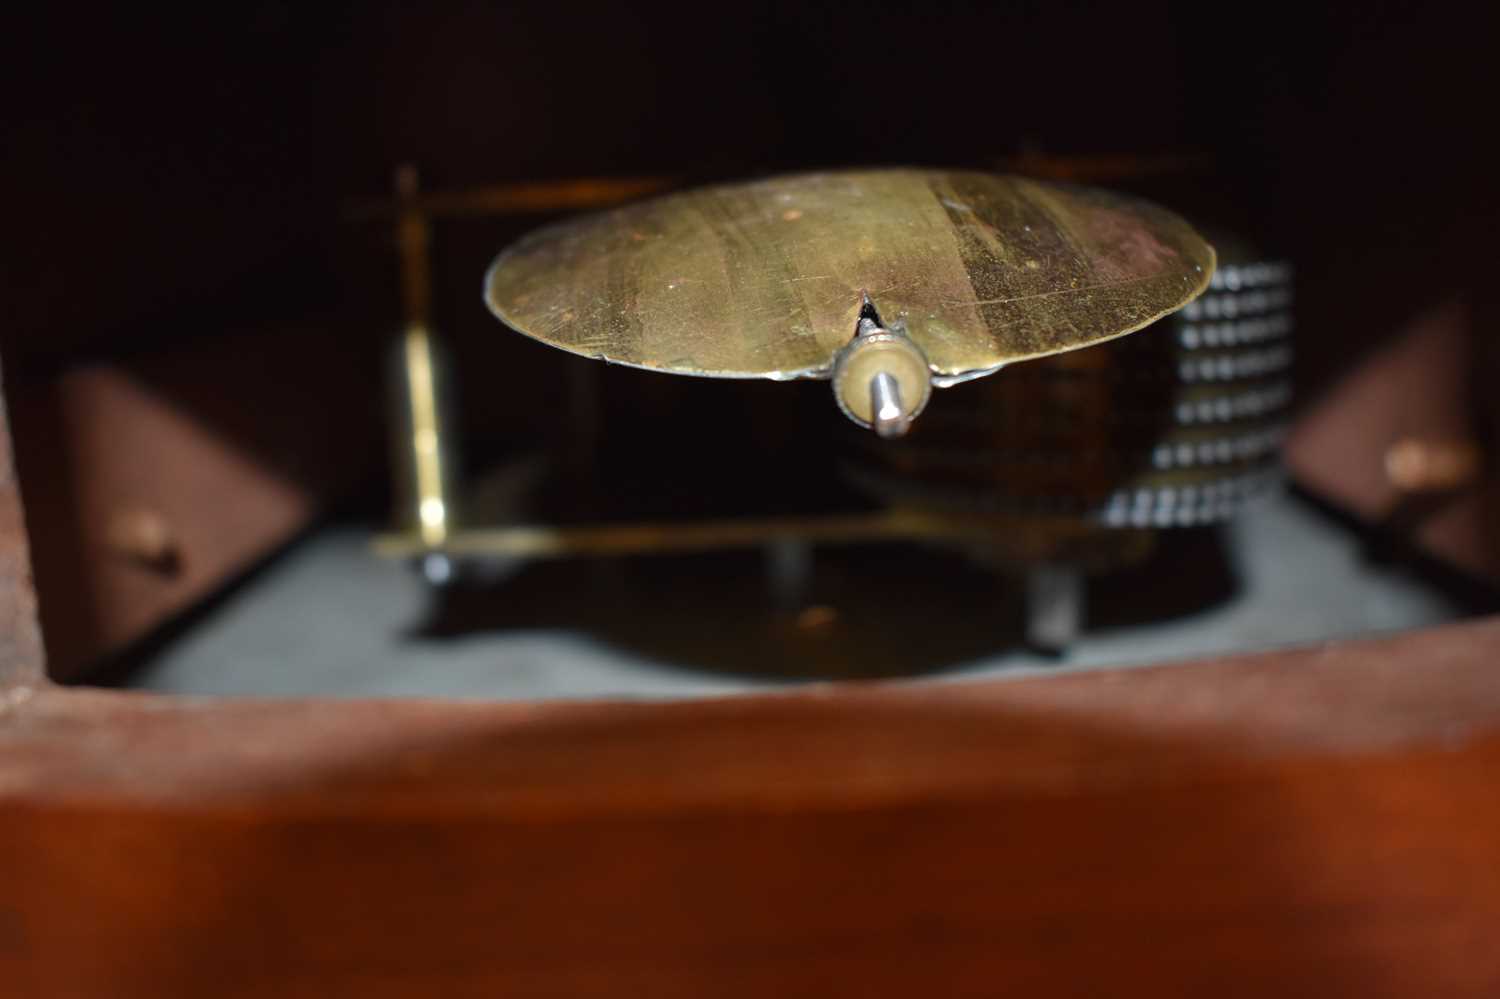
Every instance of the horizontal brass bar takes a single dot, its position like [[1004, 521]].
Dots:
[[546, 541], [516, 199]]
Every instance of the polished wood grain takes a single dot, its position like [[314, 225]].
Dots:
[[1313, 822]]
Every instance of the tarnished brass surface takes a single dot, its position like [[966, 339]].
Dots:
[[863, 358], [764, 280]]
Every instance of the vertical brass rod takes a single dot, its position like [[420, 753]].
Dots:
[[421, 384], [423, 478]]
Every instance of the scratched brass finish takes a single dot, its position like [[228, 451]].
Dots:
[[763, 280]]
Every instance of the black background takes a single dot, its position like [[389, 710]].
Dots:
[[178, 175]]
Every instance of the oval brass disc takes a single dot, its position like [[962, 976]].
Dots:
[[764, 280]]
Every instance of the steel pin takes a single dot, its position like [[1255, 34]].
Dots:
[[888, 417]]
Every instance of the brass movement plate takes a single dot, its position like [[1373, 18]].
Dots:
[[764, 279]]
